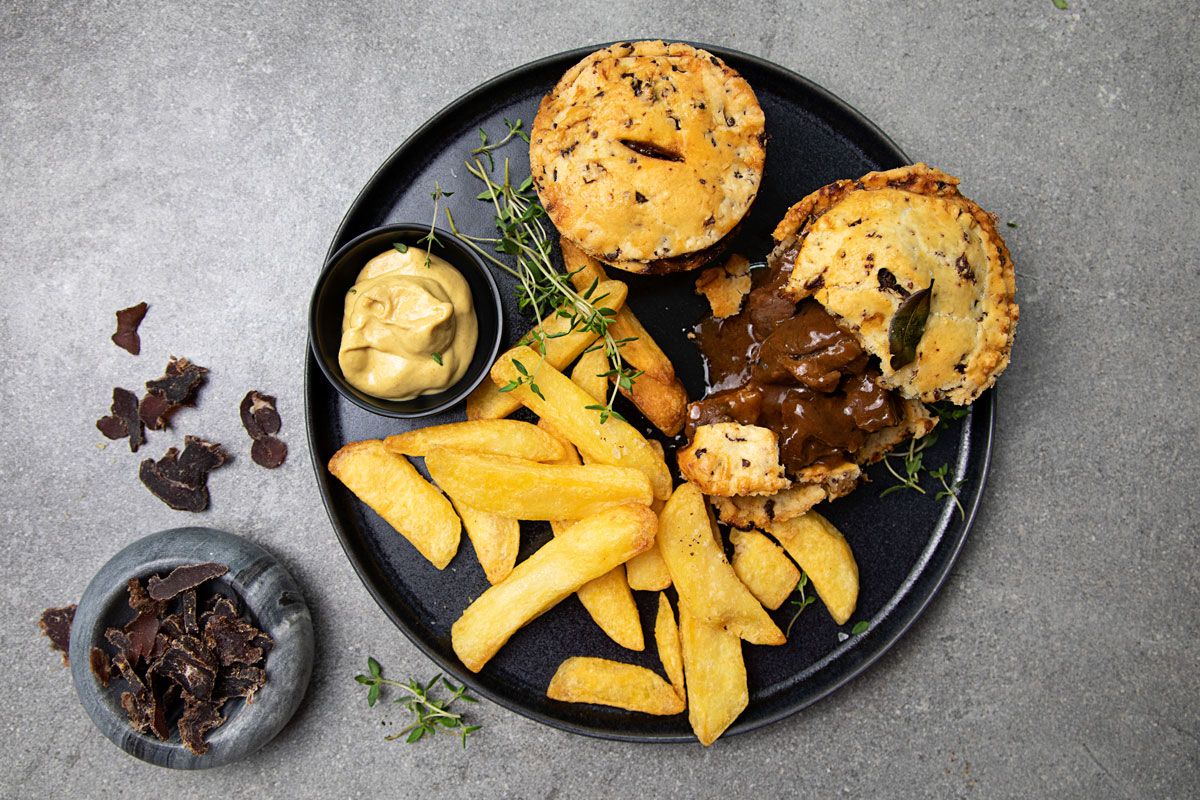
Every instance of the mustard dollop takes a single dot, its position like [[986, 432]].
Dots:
[[408, 328]]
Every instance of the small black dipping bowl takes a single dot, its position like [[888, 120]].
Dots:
[[262, 590], [328, 306]]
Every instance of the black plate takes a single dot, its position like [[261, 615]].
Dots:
[[904, 543]]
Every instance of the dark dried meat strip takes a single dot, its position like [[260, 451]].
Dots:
[[259, 416], [171, 626], [154, 411], [56, 625], [232, 640], [188, 663], [142, 631], [128, 320], [123, 420], [180, 480], [101, 666], [191, 625], [239, 682], [120, 640], [268, 452], [141, 602], [179, 382], [199, 717], [188, 576]]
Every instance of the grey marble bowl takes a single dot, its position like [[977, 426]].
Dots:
[[265, 591]]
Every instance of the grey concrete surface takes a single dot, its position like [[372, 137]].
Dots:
[[201, 155]]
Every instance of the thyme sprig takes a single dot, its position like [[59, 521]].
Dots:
[[430, 240], [912, 460], [432, 716], [542, 290], [804, 602]]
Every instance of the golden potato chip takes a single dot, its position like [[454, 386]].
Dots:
[[666, 637], [563, 345], [391, 486], [647, 572], [763, 566], [588, 374], [824, 554], [496, 540], [586, 551], [522, 489], [566, 406], [613, 683], [717, 687], [610, 603], [502, 437], [705, 581]]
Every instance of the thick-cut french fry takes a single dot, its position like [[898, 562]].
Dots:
[[522, 489], [703, 577], [563, 345], [664, 404], [824, 554], [647, 572], [589, 549], [612, 683], [391, 486], [588, 374], [496, 540], [642, 352], [666, 637], [565, 405], [503, 437], [765, 569], [717, 688], [610, 603]]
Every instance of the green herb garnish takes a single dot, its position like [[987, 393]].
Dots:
[[1060, 4], [913, 459], [862, 626], [947, 489], [543, 289], [804, 602], [432, 716], [401, 247], [1011, 224], [437, 357], [430, 240]]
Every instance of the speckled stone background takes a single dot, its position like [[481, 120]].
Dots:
[[199, 156]]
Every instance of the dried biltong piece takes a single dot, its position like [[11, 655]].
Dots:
[[171, 626], [142, 631], [158, 716], [154, 411], [141, 602], [56, 626], [120, 640], [128, 320], [268, 452], [199, 717], [161, 643], [239, 682], [191, 626], [123, 420], [259, 416], [188, 576], [190, 664], [179, 382], [180, 481], [139, 707], [101, 666], [231, 639]]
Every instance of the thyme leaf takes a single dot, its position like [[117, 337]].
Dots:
[[804, 602]]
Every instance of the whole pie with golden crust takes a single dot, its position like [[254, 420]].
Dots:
[[647, 155]]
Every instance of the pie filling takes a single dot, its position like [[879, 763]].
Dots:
[[788, 367]]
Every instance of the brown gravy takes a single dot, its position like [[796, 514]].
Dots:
[[788, 367]]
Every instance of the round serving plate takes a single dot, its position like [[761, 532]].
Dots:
[[904, 543]]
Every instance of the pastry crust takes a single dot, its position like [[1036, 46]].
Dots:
[[861, 247], [729, 459], [725, 286], [647, 155]]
